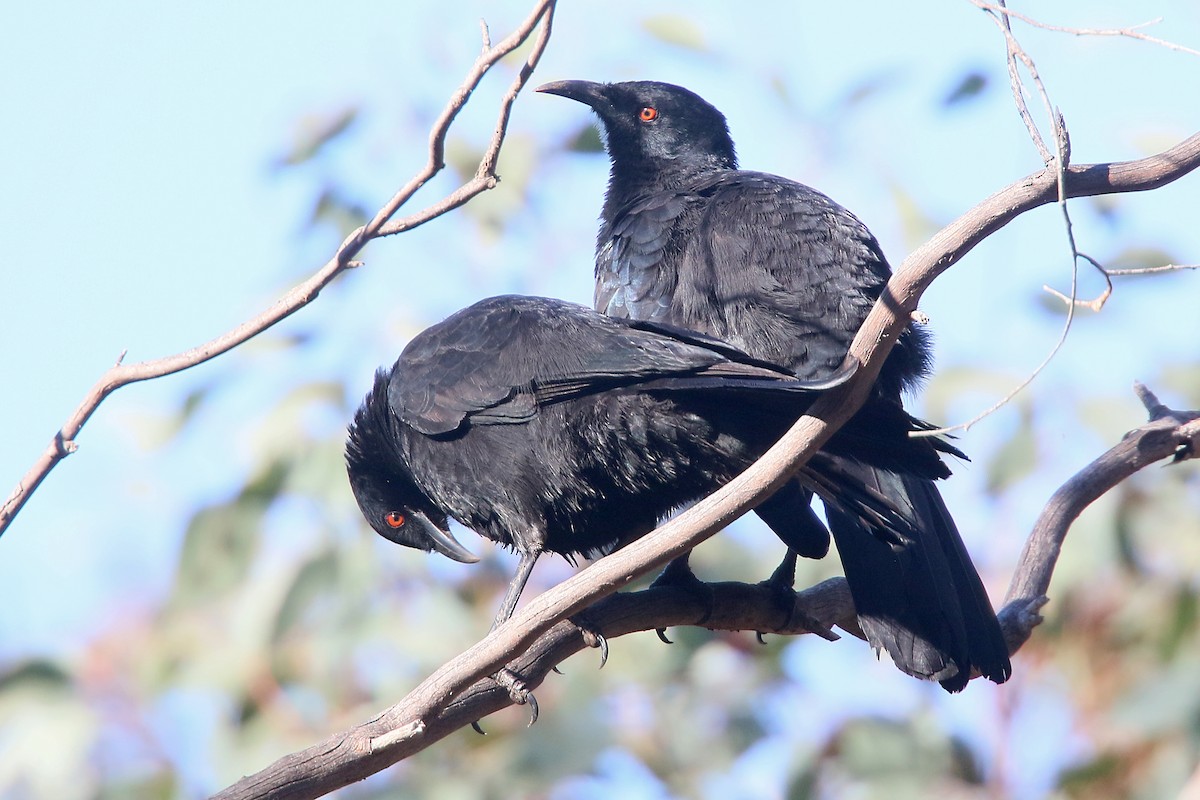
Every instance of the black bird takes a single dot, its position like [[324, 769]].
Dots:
[[547, 426], [788, 275]]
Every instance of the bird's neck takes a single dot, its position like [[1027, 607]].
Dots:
[[628, 180]]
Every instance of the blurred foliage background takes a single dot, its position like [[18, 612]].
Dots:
[[263, 614]]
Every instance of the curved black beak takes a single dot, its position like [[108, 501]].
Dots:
[[446, 544], [587, 92], [440, 540]]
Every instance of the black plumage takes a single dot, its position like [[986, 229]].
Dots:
[[548, 427], [783, 272]]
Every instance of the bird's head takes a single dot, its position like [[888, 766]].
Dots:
[[389, 498], [649, 121]]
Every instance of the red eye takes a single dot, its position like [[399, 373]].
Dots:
[[394, 519], [648, 114]]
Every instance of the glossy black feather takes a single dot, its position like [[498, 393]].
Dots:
[[546, 426], [783, 272]]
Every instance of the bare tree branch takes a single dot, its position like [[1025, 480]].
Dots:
[[374, 745], [377, 744], [405, 727], [1168, 434], [63, 443], [1150, 270], [744, 607], [1130, 32], [1059, 159], [1014, 53]]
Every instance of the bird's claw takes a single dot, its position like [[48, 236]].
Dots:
[[592, 636], [780, 585], [597, 639], [517, 692], [678, 574]]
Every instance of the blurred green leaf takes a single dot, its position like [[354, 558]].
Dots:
[[1154, 141], [44, 728], [218, 550], [35, 674], [867, 88], [492, 209], [803, 786], [316, 131], [1183, 381], [281, 434], [1106, 206], [1142, 258], [265, 486], [970, 87], [1082, 780], [1160, 702], [876, 746], [1128, 500], [917, 225], [1110, 417], [902, 755], [221, 540], [586, 140], [1181, 624], [319, 472], [316, 577], [160, 786], [964, 391], [335, 209], [1016, 458], [676, 30], [462, 157], [191, 404], [271, 343]]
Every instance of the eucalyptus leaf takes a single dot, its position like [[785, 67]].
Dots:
[[1016, 458], [676, 30]]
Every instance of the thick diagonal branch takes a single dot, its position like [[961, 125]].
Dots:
[[349, 756]]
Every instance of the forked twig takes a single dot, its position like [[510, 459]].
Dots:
[[63, 442]]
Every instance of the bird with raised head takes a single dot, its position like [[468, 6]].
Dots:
[[784, 273]]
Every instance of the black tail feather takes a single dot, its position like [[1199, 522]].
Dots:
[[922, 601]]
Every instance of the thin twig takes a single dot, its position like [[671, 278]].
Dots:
[[1013, 53], [1149, 270], [1060, 159], [1096, 303], [1130, 32], [63, 442]]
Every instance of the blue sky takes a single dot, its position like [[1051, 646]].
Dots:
[[142, 211]]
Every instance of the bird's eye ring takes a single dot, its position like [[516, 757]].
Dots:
[[648, 114], [394, 519]]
